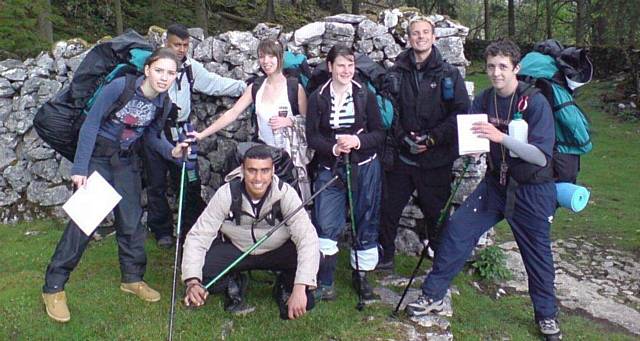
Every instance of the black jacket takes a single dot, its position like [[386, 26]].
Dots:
[[422, 108], [320, 135]]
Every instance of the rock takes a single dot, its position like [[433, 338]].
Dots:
[[58, 49], [6, 90], [346, 18], [39, 192], [31, 85], [204, 51], [251, 66], [75, 47], [45, 61], [390, 17], [392, 51], [309, 32], [267, 31], [7, 157], [48, 89], [9, 64], [335, 29], [20, 121], [8, 198], [245, 42], [61, 67], [17, 176], [452, 50], [46, 169], [235, 57], [369, 29], [383, 40], [17, 74], [74, 62], [364, 46], [376, 56], [408, 242]]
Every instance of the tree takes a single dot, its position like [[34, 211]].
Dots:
[[487, 20], [337, 6], [44, 21], [355, 6], [117, 4], [270, 12], [511, 19], [582, 15], [203, 17], [548, 19]]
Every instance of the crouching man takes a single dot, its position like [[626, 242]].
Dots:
[[240, 213]]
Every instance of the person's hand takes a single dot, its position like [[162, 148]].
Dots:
[[488, 131], [297, 302], [196, 136], [195, 294], [348, 142], [79, 180], [180, 149], [277, 122], [337, 150], [419, 147]]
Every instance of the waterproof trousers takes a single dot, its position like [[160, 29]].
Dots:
[[160, 215], [535, 206], [433, 186], [331, 207], [124, 175]]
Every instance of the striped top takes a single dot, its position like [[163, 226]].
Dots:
[[342, 112]]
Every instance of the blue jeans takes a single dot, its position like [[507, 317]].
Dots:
[[124, 176], [531, 224], [330, 211]]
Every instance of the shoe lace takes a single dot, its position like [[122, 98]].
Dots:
[[548, 324]]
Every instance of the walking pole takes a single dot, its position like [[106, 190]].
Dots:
[[354, 233], [177, 255], [425, 251], [269, 233]]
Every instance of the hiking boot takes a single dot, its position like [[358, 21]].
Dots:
[[234, 300], [56, 306], [550, 328], [103, 232], [325, 293], [385, 265], [425, 305], [142, 290], [166, 242], [362, 286], [281, 295]]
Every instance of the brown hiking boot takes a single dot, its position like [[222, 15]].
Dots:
[[56, 306], [142, 290]]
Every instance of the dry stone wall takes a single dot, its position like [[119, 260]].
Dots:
[[34, 180]]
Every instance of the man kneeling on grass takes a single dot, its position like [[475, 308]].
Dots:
[[223, 232]]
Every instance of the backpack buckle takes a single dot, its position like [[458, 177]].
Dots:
[[523, 103]]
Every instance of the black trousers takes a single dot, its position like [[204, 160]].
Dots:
[[433, 186], [160, 215], [222, 253]]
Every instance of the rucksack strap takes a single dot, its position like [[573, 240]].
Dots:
[[236, 200], [292, 95]]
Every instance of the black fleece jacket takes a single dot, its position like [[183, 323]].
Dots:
[[368, 124], [423, 110]]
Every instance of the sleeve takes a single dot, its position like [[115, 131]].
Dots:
[[374, 136], [321, 144], [303, 235], [156, 139], [541, 125], [211, 83], [446, 131], [91, 126], [203, 232]]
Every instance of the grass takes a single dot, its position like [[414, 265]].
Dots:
[[100, 311]]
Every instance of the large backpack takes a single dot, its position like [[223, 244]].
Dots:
[[369, 73], [58, 121], [557, 72]]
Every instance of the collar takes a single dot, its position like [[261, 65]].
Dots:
[[157, 102]]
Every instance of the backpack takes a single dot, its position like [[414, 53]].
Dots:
[[59, 120], [236, 212], [370, 74]]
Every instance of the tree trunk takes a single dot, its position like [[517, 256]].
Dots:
[[600, 24], [337, 6], [156, 13], [118, 11], [511, 20], [355, 6], [549, 19], [487, 20], [44, 22], [581, 22], [203, 17], [270, 12]]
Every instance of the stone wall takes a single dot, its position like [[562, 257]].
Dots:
[[34, 180]]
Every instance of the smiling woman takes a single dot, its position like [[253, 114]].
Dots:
[[110, 139]]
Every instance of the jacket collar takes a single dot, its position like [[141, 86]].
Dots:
[[325, 89], [407, 61]]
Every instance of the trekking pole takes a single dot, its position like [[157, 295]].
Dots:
[[177, 255], [269, 233], [425, 251], [354, 234]]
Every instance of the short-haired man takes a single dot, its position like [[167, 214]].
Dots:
[[219, 237], [430, 93], [519, 189], [192, 77]]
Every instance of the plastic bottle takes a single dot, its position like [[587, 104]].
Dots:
[[278, 133], [518, 129]]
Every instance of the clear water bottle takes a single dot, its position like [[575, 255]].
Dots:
[[278, 134], [518, 129]]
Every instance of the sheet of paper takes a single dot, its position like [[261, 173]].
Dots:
[[89, 205], [468, 142]]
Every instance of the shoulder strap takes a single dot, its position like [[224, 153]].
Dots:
[[292, 94], [257, 83], [190, 79], [486, 94], [236, 200], [125, 96]]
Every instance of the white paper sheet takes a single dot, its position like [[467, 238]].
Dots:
[[89, 205], [468, 142]]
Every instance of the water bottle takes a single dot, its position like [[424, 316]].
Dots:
[[278, 133], [518, 129]]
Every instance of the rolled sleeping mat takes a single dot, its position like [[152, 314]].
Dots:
[[572, 196]]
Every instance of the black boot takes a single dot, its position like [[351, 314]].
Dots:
[[235, 301], [282, 292], [326, 290], [362, 286]]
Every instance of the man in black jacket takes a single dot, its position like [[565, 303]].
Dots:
[[429, 93]]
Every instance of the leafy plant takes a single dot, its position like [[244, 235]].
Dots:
[[491, 264]]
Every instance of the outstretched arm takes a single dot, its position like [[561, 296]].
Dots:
[[229, 116]]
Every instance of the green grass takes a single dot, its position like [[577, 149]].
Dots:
[[100, 311]]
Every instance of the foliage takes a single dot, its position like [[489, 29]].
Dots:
[[19, 29], [491, 264]]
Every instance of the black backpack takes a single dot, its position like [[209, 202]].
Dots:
[[58, 121]]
